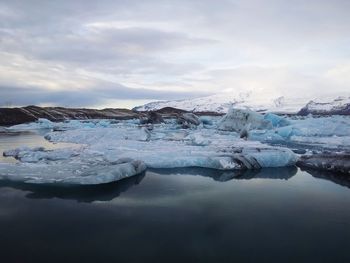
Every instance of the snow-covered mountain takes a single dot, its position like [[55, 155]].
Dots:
[[340, 106], [221, 102]]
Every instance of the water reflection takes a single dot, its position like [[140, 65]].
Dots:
[[179, 215], [107, 192], [284, 173], [337, 178], [104, 192]]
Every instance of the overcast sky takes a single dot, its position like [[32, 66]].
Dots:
[[121, 53]]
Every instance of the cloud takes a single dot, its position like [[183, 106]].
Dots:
[[172, 48], [98, 46], [96, 96]]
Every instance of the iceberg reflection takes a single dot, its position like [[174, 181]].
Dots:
[[81, 193], [337, 178], [224, 176]]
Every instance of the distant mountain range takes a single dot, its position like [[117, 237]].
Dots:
[[221, 102], [339, 106], [13, 116], [217, 104]]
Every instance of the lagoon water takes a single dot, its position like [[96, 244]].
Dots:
[[177, 215]]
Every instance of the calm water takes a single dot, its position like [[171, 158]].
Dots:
[[182, 215]]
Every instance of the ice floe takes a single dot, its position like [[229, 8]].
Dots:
[[72, 173]]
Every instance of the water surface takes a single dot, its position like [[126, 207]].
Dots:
[[180, 215]]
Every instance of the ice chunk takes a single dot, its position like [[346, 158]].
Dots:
[[329, 142], [272, 157], [39, 124], [188, 120], [237, 119], [198, 139], [145, 134], [321, 132], [276, 120], [207, 120], [16, 152], [152, 117], [33, 155]]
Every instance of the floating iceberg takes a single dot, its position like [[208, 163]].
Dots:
[[39, 124], [276, 120], [72, 173], [237, 119], [167, 148]]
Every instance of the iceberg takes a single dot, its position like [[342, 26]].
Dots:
[[70, 173], [276, 120], [237, 119], [41, 123], [171, 148], [321, 132], [188, 120]]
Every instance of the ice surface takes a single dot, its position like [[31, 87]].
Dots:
[[171, 148]]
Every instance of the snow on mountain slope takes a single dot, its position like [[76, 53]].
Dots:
[[340, 106], [222, 102]]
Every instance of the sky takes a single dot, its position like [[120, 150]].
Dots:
[[123, 53]]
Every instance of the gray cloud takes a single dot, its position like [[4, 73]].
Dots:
[[98, 46], [15, 95], [169, 49]]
